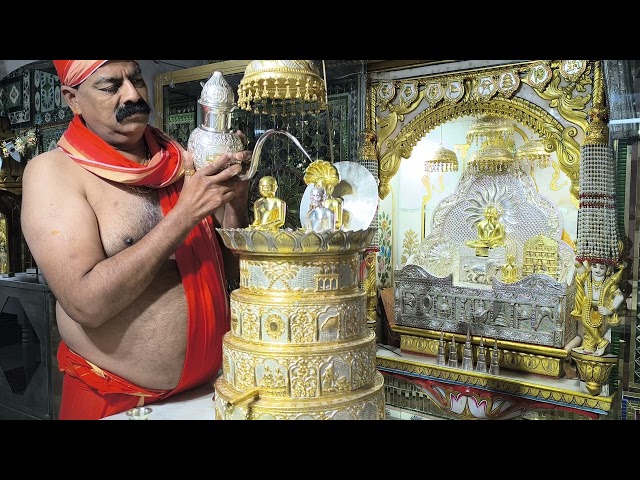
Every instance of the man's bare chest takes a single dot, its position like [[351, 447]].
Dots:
[[125, 215]]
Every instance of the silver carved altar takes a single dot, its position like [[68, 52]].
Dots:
[[532, 310]]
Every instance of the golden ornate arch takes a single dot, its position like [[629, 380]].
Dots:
[[560, 84]]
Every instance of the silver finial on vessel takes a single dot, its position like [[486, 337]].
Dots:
[[214, 136]]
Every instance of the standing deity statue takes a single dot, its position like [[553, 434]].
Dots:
[[322, 173], [598, 298], [269, 210], [319, 218]]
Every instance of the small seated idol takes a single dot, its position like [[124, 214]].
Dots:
[[319, 218], [269, 210], [509, 270], [490, 233]]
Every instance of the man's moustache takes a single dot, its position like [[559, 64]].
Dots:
[[127, 110]]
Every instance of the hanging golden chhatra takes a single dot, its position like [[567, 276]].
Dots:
[[282, 87], [491, 160], [534, 153], [444, 160], [496, 153], [491, 130]]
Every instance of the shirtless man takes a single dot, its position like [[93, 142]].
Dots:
[[123, 229]]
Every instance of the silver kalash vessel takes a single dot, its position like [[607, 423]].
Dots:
[[214, 136]]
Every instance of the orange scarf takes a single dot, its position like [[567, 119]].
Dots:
[[199, 257]]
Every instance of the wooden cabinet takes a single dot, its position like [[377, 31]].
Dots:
[[30, 383]]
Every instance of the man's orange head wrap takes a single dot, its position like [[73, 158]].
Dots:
[[73, 72]]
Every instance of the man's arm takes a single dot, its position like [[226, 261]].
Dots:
[[235, 215]]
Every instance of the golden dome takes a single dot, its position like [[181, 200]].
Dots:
[[282, 86], [534, 152], [491, 159], [444, 160], [491, 130]]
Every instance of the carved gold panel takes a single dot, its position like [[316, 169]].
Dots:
[[559, 118]]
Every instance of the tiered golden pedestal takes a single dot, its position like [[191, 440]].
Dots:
[[299, 346]]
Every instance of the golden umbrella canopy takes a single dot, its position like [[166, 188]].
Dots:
[[282, 87], [444, 160], [491, 160], [491, 130], [534, 153]]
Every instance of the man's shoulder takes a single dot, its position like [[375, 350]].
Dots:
[[51, 167], [52, 159]]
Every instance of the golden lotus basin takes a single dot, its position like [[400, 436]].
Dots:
[[289, 241], [594, 370]]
